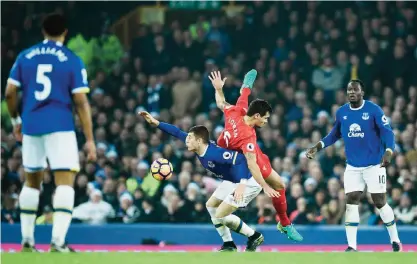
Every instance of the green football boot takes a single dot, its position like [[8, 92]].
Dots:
[[290, 231], [249, 80]]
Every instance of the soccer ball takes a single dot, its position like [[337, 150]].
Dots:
[[161, 169]]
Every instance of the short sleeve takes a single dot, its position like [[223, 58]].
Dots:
[[79, 77], [15, 76]]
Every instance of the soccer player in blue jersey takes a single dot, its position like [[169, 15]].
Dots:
[[237, 189], [49, 77], [369, 145]]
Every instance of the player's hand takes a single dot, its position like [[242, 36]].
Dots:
[[149, 118], [311, 152], [17, 132], [216, 80], [386, 159], [239, 191], [91, 151], [270, 192]]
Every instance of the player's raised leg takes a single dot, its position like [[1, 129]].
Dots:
[[62, 152], [224, 214], [34, 161], [375, 178], [246, 88], [224, 189]]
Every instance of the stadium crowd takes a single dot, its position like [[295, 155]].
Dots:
[[304, 52]]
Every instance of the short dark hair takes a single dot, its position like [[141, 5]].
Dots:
[[201, 132], [259, 106], [358, 82], [54, 25]]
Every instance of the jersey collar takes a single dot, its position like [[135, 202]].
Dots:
[[205, 151], [359, 108], [58, 43]]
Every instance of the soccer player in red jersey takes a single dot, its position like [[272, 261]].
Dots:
[[239, 134]]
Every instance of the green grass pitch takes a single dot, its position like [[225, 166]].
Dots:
[[209, 258]]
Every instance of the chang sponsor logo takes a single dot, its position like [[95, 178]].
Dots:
[[355, 131]]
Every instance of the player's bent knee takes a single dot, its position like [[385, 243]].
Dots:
[[353, 197], [224, 210], [213, 202], [379, 200], [64, 177], [34, 179], [379, 204], [220, 214]]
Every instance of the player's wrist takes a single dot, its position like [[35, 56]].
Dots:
[[16, 121]]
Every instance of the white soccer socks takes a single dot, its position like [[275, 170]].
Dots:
[[223, 230], [63, 204], [351, 224], [236, 224], [28, 202], [387, 216]]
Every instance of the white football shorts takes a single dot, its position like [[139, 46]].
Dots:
[[60, 148], [374, 177], [225, 192]]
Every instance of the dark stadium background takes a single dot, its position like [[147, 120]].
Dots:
[[150, 63]]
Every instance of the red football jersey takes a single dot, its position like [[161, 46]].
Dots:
[[236, 134]]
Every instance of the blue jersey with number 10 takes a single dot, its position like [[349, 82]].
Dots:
[[48, 74]]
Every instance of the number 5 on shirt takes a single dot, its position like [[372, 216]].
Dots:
[[44, 80]]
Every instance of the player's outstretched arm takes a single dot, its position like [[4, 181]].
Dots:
[[218, 83], [83, 109], [167, 128], [12, 106], [328, 140]]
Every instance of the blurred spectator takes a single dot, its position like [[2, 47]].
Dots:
[[96, 211], [328, 78], [405, 212], [128, 213], [186, 95], [9, 211]]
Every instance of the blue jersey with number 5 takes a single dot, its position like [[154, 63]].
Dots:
[[48, 74]]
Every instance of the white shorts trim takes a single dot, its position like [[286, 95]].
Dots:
[[373, 177], [59, 148]]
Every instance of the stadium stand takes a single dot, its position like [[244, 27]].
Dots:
[[304, 53]]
